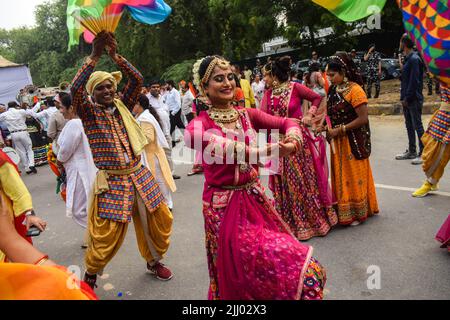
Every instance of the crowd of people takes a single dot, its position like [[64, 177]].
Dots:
[[112, 150]]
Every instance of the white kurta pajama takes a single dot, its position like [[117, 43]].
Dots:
[[75, 154], [164, 115]]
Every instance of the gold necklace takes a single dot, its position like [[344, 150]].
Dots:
[[228, 115], [279, 89], [343, 88]]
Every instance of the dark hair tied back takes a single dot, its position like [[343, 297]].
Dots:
[[341, 62], [280, 68]]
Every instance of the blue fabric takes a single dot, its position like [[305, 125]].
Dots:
[[412, 79], [151, 15]]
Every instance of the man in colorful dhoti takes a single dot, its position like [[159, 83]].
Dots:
[[436, 153], [124, 189]]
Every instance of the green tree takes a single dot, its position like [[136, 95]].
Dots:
[[245, 25], [179, 71]]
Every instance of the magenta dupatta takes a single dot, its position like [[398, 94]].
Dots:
[[317, 145], [257, 255], [443, 234]]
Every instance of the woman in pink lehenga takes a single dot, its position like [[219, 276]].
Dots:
[[300, 183], [443, 235], [251, 252]]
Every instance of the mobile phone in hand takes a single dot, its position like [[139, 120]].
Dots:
[[33, 232]]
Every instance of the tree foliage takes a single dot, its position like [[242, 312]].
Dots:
[[236, 29]]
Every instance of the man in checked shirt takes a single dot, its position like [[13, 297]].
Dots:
[[124, 189]]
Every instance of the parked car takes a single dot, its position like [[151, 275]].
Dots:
[[301, 66], [390, 67]]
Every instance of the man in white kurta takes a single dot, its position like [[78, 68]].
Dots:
[[15, 119], [156, 101], [76, 157], [165, 182]]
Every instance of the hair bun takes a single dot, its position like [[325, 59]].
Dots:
[[284, 63]]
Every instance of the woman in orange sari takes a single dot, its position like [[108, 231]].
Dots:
[[349, 135]]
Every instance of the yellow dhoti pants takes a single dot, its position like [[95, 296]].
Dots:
[[436, 156], [106, 236]]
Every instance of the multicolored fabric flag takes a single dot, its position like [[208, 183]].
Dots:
[[351, 10], [93, 16], [428, 25]]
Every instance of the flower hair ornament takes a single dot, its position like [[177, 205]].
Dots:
[[195, 73]]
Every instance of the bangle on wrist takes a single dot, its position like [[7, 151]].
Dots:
[[41, 261], [30, 213]]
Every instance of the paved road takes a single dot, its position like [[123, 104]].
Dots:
[[400, 241]]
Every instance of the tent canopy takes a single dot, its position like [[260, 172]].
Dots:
[[13, 78], [5, 63]]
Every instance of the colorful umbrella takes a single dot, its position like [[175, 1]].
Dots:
[[93, 16], [351, 10], [428, 24]]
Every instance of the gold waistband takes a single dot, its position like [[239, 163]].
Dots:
[[241, 187], [101, 184]]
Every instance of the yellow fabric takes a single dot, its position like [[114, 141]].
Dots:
[[248, 93], [101, 184], [159, 226], [99, 76], [30, 282], [434, 158], [352, 183], [152, 150], [138, 141], [106, 236], [14, 193], [13, 188]]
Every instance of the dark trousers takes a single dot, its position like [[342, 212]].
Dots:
[[373, 78], [176, 121], [413, 122]]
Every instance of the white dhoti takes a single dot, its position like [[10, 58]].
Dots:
[[159, 177], [24, 147]]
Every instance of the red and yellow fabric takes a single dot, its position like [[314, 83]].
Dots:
[[15, 195], [30, 282]]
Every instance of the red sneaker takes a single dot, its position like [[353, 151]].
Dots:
[[160, 271]]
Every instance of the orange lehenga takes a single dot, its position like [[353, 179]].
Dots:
[[351, 174]]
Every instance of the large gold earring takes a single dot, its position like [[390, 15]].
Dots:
[[275, 83]]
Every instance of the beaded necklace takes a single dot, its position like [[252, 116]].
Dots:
[[282, 109]]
